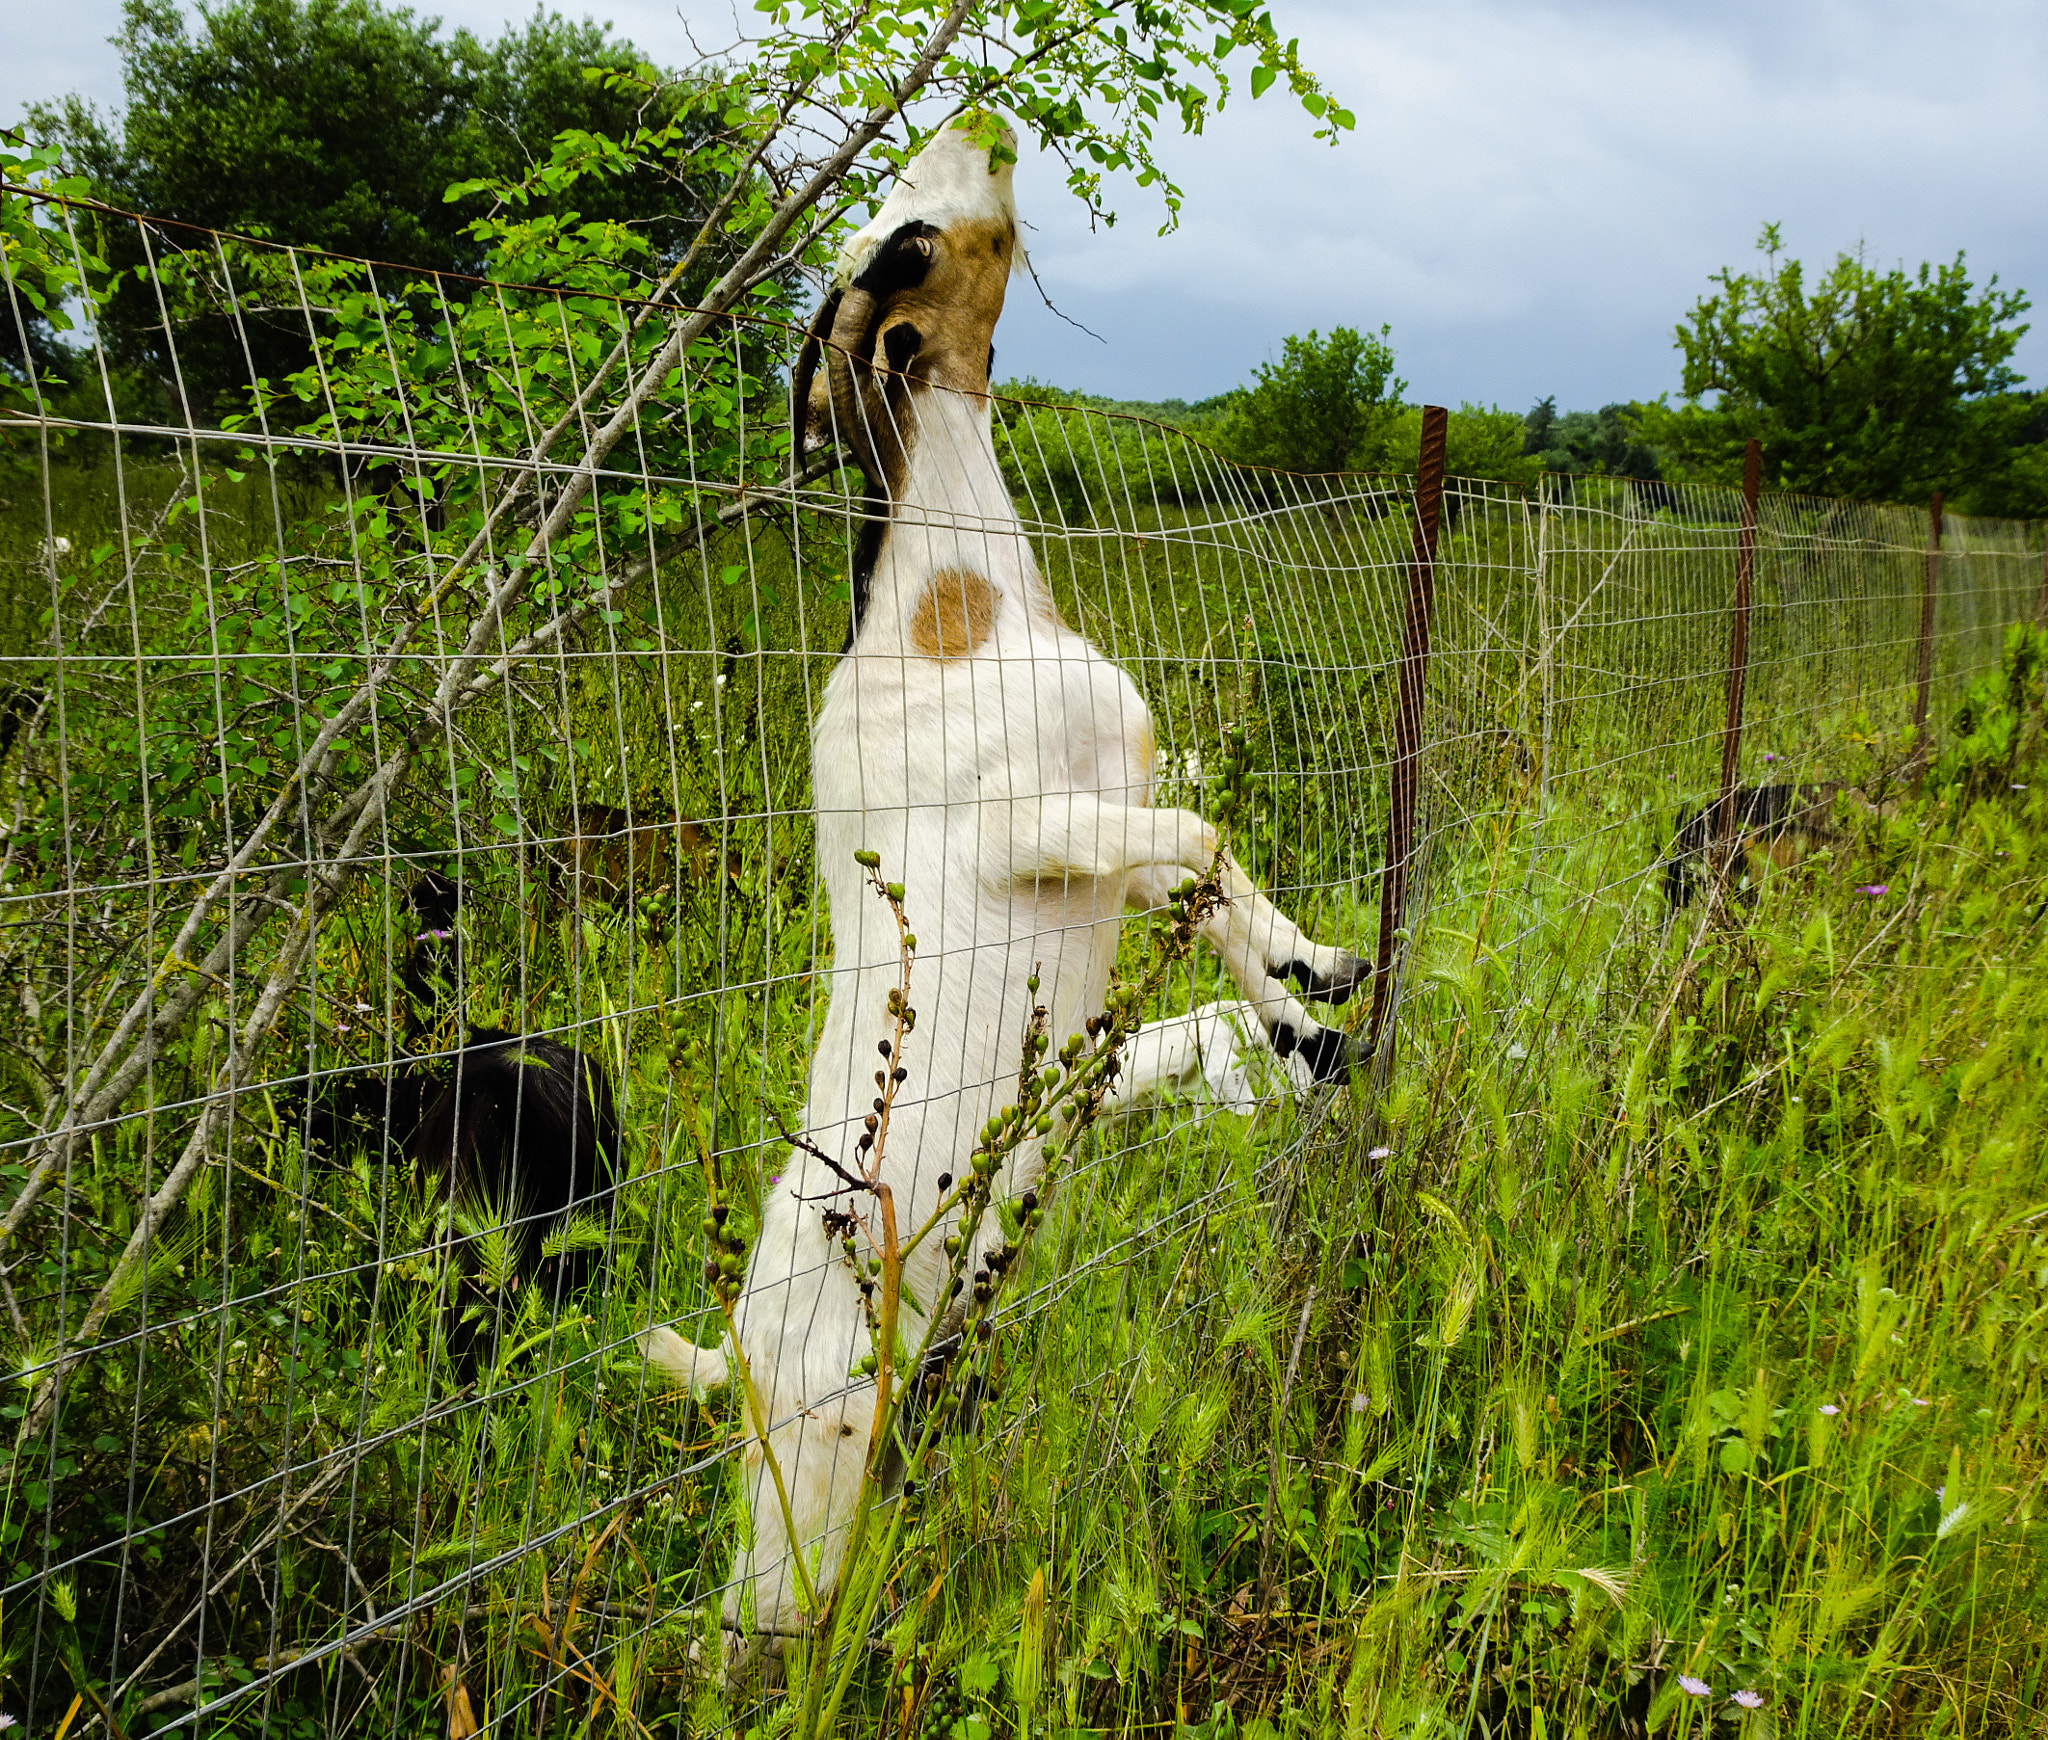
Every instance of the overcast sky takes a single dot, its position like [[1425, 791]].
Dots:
[[1535, 193]]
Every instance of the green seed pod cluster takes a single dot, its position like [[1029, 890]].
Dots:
[[945, 1708], [868, 860], [725, 1261]]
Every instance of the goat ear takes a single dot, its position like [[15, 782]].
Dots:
[[803, 399]]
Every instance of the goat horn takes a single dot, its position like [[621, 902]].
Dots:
[[801, 375], [849, 339]]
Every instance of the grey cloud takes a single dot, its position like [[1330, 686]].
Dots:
[[1534, 195]]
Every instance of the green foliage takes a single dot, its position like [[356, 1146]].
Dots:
[[1326, 405], [1871, 384], [340, 124], [45, 271], [1555, 1433], [2016, 489], [1479, 441], [343, 125], [1998, 720], [1602, 443]]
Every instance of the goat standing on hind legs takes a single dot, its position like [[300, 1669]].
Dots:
[[1001, 770]]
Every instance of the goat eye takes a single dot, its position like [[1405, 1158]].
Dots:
[[923, 244]]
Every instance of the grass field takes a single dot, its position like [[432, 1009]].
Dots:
[[1669, 1318]]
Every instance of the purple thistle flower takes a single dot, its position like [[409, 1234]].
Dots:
[[1693, 1688], [1873, 888], [1750, 1700], [433, 936], [1770, 755]]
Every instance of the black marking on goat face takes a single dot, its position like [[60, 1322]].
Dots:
[[900, 263], [900, 345], [867, 551]]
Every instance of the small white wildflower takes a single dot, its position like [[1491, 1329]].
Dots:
[[1360, 1402], [1379, 1153]]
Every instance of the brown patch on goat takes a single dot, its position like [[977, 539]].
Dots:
[[954, 616]]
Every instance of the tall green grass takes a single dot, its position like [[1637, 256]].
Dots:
[[1484, 1398]]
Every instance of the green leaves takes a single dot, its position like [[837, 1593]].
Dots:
[[1878, 385], [1323, 407]]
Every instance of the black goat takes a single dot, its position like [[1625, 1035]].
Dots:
[[522, 1125], [1775, 824]]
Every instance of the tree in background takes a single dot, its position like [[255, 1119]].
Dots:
[[1479, 441], [1326, 405], [1602, 443], [342, 125], [1880, 385]]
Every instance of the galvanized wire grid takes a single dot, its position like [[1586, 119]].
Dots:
[[261, 680]]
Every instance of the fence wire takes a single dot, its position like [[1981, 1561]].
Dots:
[[424, 701]]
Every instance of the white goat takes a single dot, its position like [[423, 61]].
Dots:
[[1002, 768]]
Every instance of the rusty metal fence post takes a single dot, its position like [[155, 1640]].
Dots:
[[1927, 593], [1738, 646], [1413, 672]]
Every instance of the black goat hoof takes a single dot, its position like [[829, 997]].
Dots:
[[1330, 1053], [1334, 987]]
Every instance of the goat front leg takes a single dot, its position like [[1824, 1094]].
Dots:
[[1246, 933], [1283, 948], [1174, 1053], [1073, 833]]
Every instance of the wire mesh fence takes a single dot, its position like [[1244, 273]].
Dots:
[[427, 714]]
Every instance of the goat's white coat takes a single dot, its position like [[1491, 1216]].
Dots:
[[948, 182], [1009, 792]]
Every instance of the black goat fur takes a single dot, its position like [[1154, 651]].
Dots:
[[1772, 821], [521, 1126]]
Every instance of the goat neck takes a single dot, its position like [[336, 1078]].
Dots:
[[912, 316]]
